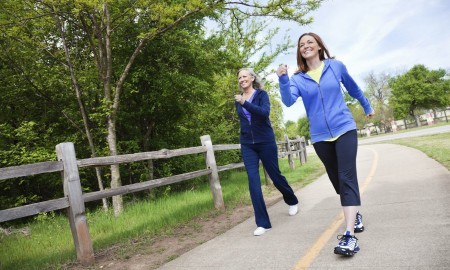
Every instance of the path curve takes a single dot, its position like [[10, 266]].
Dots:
[[405, 196]]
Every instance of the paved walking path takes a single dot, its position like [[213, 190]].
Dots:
[[406, 212], [403, 135]]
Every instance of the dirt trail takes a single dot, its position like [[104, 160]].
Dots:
[[152, 253]]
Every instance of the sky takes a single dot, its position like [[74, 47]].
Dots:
[[379, 36]]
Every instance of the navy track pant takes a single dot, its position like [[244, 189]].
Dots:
[[339, 158], [268, 154]]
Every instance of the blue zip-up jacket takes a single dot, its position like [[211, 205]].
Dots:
[[325, 106], [259, 129]]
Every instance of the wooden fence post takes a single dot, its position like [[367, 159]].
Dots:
[[214, 183], [76, 210], [302, 148], [304, 153], [288, 150]]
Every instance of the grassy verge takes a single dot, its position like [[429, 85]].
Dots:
[[47, 242], [436, 146]]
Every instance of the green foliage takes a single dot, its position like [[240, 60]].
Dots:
[[358, 114], [168, 81], [291, 129], [303, 128], [23, 145], [49, 243], [276, 116], [356, 110], [417, 89]]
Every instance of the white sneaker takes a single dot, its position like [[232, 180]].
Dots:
[[293, 209], [260, 231]]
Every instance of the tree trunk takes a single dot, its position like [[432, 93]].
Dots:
[[81, 106], [417, 118], [383, 117], [116, 181], [104, 64], [112, 137]]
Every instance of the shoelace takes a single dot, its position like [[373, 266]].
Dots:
[[344, 239]]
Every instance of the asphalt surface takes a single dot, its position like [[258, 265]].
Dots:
[[405, 208]]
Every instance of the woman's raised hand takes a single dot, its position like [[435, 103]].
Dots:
[[282, 69]]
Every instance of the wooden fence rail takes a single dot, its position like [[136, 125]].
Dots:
[[74, 200]]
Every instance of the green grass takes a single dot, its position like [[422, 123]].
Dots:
[[303, 174], [50, 241], [50, 245]]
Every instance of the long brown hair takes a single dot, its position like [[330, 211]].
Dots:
[[323, 52]]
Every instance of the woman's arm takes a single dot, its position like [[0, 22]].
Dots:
[[354, 90], [289, 92], [263, 109]]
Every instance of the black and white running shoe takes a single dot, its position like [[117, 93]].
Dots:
[[348, 245], [359, 227]]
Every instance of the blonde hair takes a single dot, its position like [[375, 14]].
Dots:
[[257, 83]]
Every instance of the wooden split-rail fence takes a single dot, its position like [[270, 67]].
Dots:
[[74, 200]]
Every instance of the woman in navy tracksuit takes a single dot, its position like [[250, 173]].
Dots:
[[333, 130], [258, 143]]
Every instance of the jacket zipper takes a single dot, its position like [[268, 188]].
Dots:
[[251, 131], [324, 114], [250, 122]]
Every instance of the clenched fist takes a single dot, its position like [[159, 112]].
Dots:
[[282, 69]]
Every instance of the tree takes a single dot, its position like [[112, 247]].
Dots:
[[34, 113], [441, 94], [96, 44], [378, 92], [291, 128], [418, 89], [356, 110], [303, 127]]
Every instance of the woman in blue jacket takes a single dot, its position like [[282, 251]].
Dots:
[[318, 81], [258, 143]]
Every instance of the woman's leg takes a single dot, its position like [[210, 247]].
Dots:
[[346, 151], [350, 215], [339, 159], [251, 162], [269, 157], [327, 154]]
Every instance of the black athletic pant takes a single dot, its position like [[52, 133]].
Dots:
[[339, 158]]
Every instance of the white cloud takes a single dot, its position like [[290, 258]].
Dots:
[[379, 36]]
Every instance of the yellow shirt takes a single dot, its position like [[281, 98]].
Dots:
[[316, 73]]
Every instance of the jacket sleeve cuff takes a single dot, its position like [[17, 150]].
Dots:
[[283, 79]]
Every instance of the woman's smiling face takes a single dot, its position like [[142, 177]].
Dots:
[[309, 47], [245, 79]]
